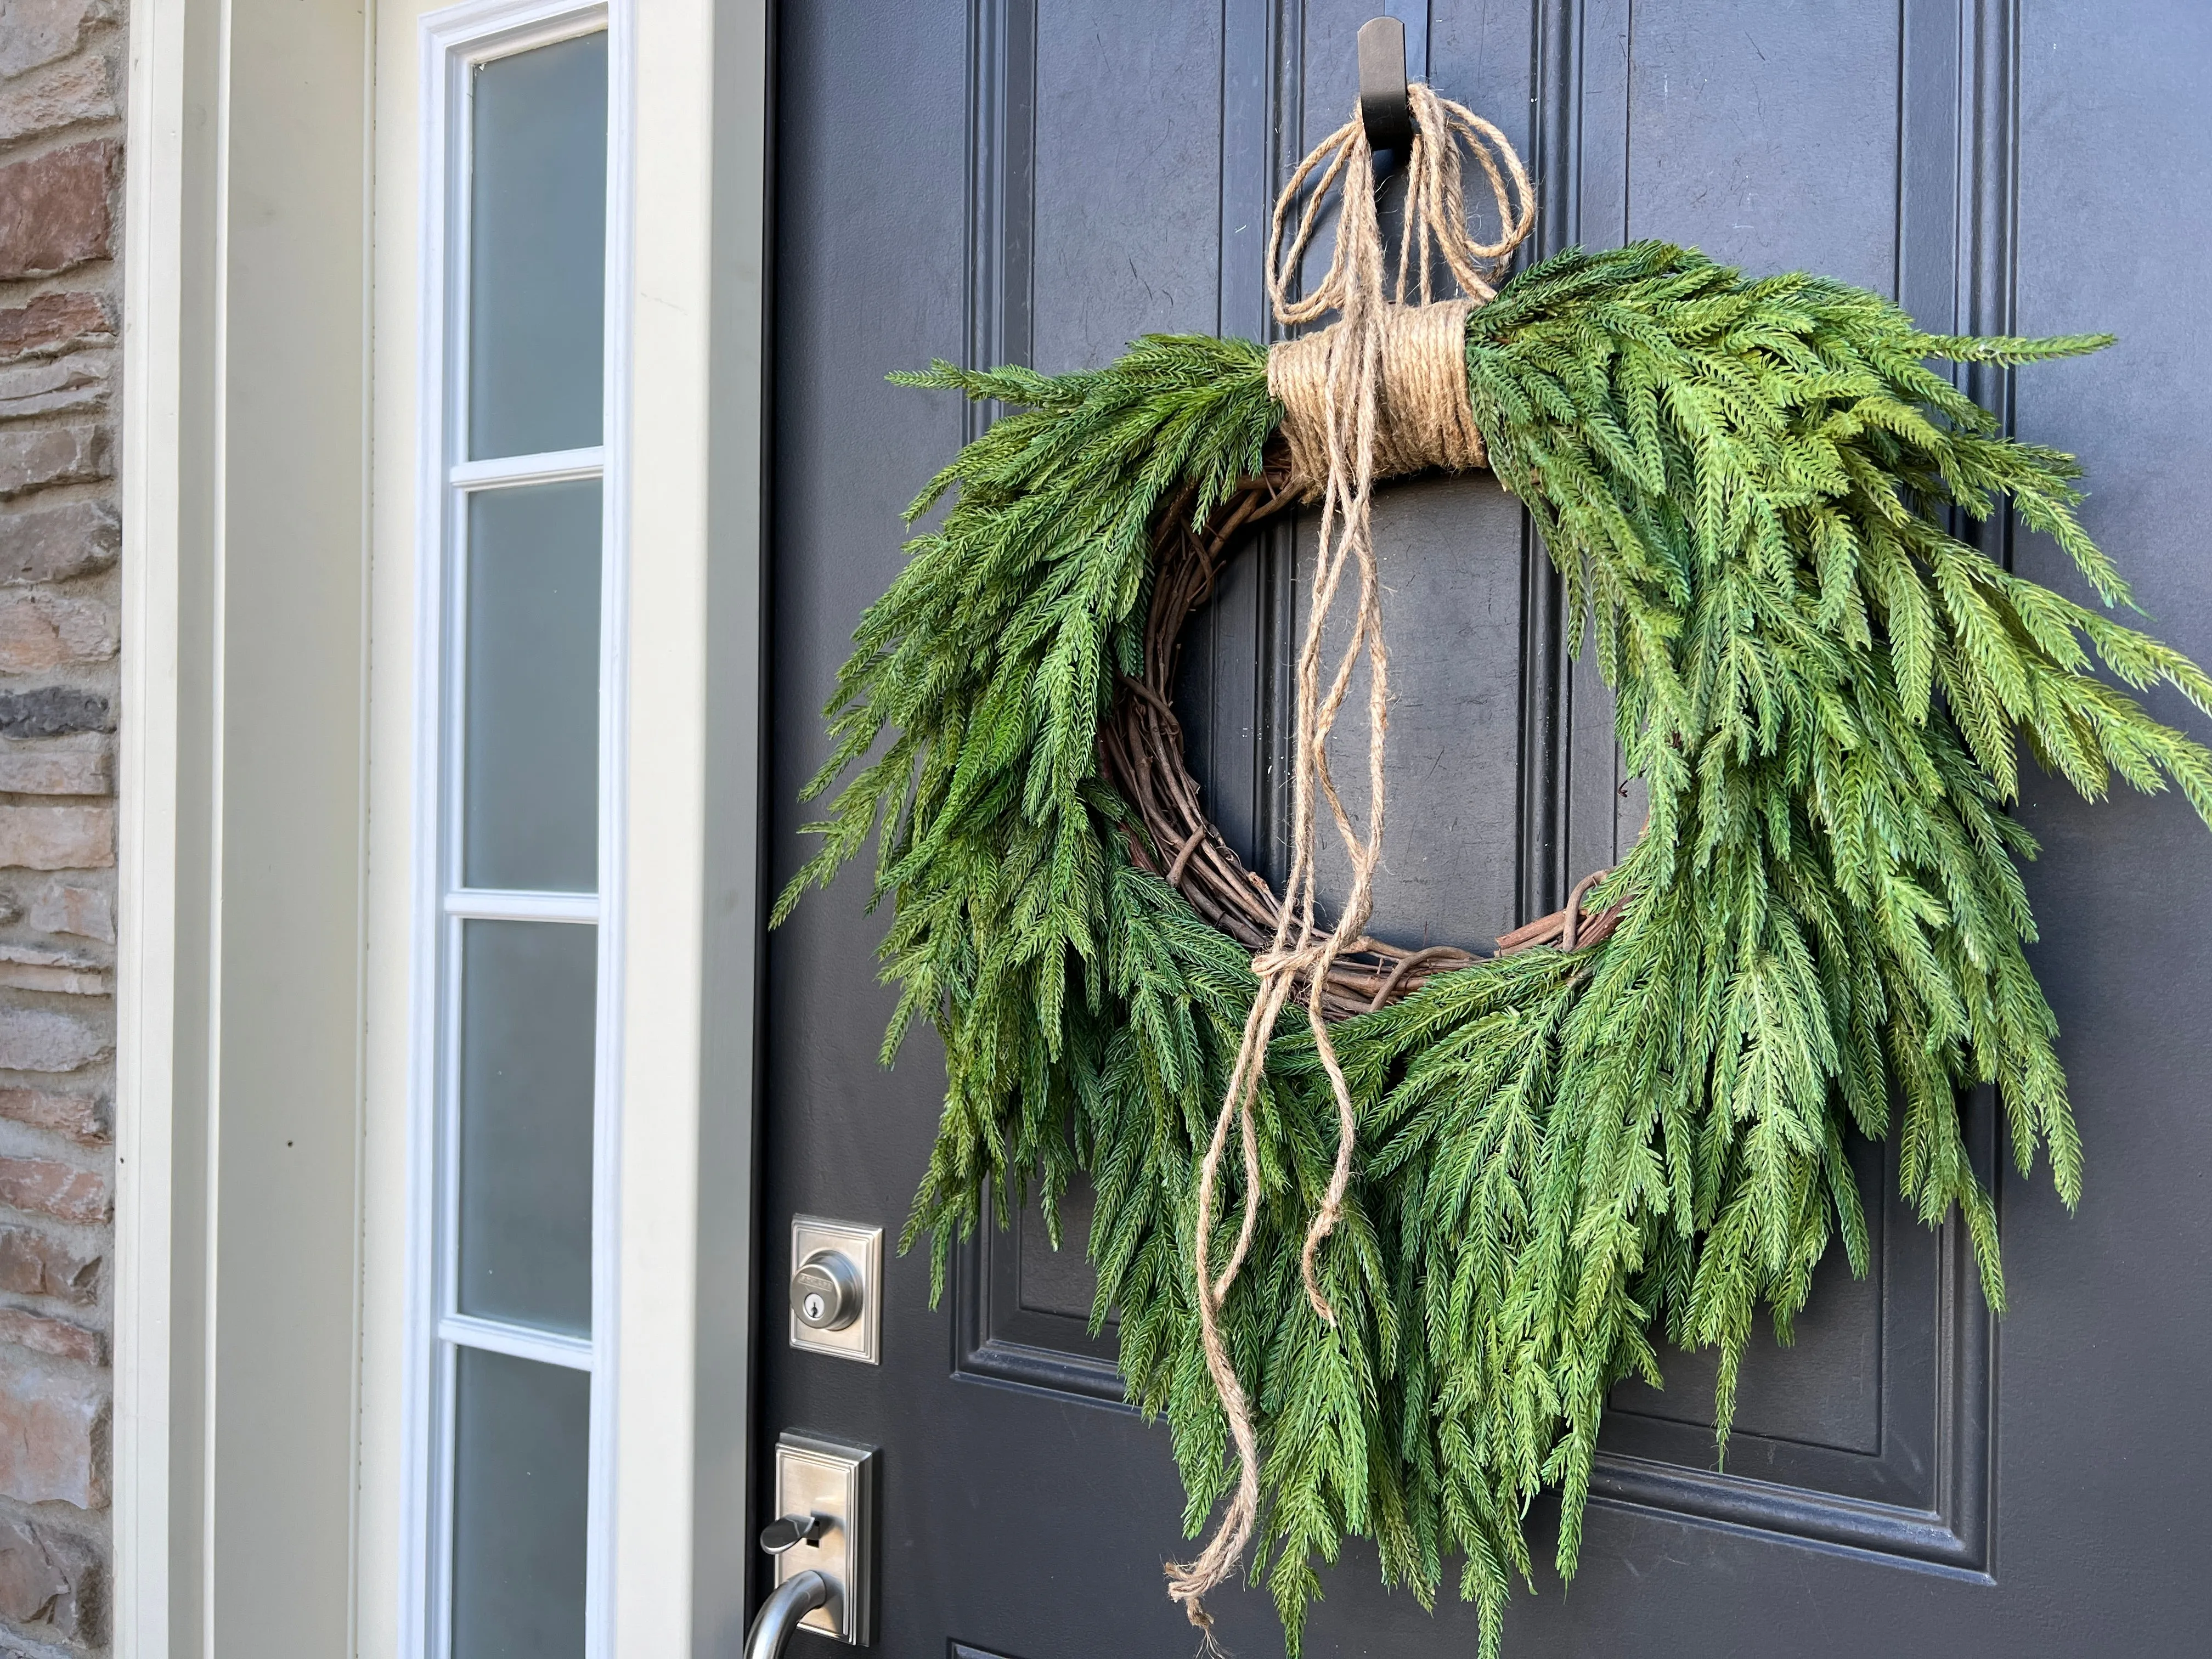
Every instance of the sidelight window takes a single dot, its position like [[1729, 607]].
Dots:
[[516, 964]]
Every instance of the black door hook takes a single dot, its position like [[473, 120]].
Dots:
[[1385, 108]]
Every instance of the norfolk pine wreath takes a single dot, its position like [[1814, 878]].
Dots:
[[1378, 1266]]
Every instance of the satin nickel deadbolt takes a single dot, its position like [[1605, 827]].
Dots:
[[825, 1291], [836, 1288]]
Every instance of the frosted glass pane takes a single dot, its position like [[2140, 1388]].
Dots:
[[528, 1014], [520, 1488], [531, 808], [537, 249]]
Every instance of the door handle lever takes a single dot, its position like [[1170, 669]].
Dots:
[[789, 1531], [790, 1601]]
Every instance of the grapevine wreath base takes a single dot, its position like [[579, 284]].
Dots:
[[1143, 759], [1379, 1259]]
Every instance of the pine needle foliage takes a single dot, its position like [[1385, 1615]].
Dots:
[[1750, 489]]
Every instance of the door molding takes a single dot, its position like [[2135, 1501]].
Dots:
[[1958, 139], [1921, 1495]]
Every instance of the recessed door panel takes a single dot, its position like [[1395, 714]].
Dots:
[[1476, 727]]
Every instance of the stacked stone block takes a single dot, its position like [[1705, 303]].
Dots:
[[61, 153]]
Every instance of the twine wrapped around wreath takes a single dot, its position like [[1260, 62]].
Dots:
[[1379, 393]]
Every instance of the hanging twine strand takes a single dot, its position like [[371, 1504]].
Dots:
[[1380, 392]]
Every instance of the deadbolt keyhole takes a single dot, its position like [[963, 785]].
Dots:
[[825, 1291]]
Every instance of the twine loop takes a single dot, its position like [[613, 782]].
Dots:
[[1379, 393]]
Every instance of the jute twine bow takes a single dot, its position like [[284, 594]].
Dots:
[[1379, 393]]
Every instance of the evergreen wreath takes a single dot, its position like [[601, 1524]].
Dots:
[[1475, 1193]]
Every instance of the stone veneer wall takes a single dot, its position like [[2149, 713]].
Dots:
[[61, 151]]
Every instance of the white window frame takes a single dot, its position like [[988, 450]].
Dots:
[[453, 42], [275, 197]]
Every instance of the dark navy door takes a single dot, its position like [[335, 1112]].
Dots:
[[1039, 181]]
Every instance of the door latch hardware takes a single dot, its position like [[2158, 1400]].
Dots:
[[825, 1500], [788, 1532], [836, 1288]]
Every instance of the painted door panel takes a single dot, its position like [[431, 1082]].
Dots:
[[1013, 180]]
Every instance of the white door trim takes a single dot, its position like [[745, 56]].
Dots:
[[241, 785], [697, 697], [146, 787], [215, 226]]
